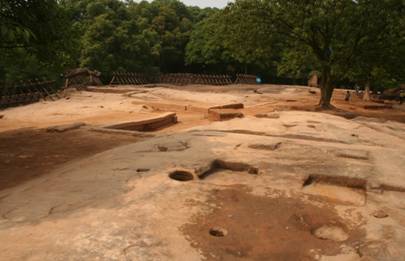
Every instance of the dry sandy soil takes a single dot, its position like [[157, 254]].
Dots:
[[285, 182]]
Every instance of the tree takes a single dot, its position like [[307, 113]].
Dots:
[[34, 39], [381, 59], [333, 32], [44, 38], [206, 46], [172, 23], [26, 23], [247, 37], [357, 41], [131, 36], [234, 37]]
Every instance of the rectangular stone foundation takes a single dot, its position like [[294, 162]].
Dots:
[[223, 114]]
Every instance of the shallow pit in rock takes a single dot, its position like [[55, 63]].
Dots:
[[218, 232], [340, 189], [271, 147], [181, 175], [218, 165], [142, 170], [331, 232]]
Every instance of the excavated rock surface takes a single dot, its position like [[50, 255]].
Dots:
[[306, 186]]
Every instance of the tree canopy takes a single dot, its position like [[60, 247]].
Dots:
[[33, 39], [44, 38], [359, 41], [356, 41], [338, 37]]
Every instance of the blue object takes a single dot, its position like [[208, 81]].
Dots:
[[258, 80]]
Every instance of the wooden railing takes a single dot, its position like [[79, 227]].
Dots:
[[26, 92], [245, 79], [128, 78]]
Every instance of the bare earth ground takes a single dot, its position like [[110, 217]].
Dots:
[[293, 184], [28, 153]]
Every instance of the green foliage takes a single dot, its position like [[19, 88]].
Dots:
[[349, 39], [48, 37], [34, 39], [206, 46], [342, 39], [380, 56], [254, 43], [359, 41], [131, 36], [235, 37]]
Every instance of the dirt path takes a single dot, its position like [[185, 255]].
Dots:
[[27, 154]]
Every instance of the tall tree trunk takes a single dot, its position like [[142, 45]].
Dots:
[[366, 96], [326, 89]]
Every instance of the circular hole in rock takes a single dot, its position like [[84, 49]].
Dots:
[[331, 232], [380, 214], [181, 175], [218, 232]]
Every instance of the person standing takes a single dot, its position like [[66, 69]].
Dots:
[[401, 96], [348, 96]]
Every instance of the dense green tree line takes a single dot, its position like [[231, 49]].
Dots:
[[360, 41], [46, 37]]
